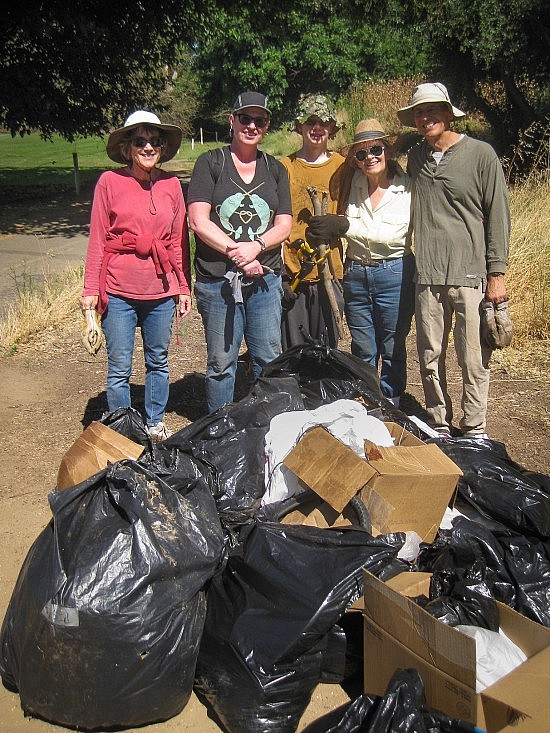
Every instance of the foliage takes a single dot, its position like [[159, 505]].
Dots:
[[295, 47], [80, 67], [483, 46]]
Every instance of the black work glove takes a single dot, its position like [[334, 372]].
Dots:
[[289, 296], [496, 329], [324, 228]]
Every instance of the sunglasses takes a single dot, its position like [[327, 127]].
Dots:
[[141, 142], [376, 150], [245, 120]]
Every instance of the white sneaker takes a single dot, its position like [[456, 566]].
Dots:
[[482, 436], [158, 432]]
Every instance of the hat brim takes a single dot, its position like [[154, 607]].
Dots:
[[364, 139], [300, 121], [405, 115], [172, 133], [250, 106]]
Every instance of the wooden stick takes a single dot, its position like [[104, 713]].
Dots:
[[319, 209]]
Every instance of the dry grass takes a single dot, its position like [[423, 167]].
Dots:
[[528, 274], [40, 308]]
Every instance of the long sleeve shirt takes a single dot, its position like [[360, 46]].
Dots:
[[460, 212], [382, 232], [130, 225]]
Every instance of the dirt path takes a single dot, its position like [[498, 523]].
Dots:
[[51, 389]]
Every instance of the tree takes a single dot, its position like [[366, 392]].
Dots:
[[495, 55], [80, 67], [293, 46]]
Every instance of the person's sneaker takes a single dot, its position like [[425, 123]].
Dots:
[[480, 436], [443, 432], [158, 432]]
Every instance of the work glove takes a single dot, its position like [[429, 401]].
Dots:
[[289, 296], [326, 227], [496, 329], [92, 334]]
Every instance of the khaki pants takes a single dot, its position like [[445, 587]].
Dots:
[[435, 307]]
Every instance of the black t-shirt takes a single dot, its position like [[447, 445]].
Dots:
[[242, 210]]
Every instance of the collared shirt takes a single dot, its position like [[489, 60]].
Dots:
[[382, 232]]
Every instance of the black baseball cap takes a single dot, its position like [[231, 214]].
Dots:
[[251, 99]]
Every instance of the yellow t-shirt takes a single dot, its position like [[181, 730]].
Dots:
[[318, 175]]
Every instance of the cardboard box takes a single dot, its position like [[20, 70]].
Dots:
[[404, 487], [98, 446], [399, 634]]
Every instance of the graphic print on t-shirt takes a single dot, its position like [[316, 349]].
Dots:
[[244, 215]]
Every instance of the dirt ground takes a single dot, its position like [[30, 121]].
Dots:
[[51, 389]]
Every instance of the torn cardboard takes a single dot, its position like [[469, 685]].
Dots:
[[398, 634], [98, 446], [406, 487]]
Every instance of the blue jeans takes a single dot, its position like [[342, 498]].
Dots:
[[154, 317], [379, 304], [257, 319]]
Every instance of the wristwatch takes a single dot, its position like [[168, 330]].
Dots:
[[261, 243]]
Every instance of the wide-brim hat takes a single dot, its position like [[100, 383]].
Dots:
[[251, 99], [365, 131], [172, 133], [422, 94]]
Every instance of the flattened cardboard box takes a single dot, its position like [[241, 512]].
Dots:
[[404, 487], [98, 446], [398, 633]]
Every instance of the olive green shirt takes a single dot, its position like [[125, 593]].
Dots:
[[461, 215]]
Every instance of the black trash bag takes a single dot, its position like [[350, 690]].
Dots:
[[326, 374], [105, 620], [344, 656], [462, 596], [128, 422], [400, 710], [269, 619], [518, 567], [230, 445], [527, 563], [460, 547], [499, 487]]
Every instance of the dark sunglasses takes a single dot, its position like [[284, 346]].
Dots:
[[141, 142], [245, 120], [376, 150]]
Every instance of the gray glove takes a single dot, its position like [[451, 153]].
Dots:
[[496, 329]]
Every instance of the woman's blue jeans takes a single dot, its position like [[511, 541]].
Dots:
[[257, 319], [379, 304], [120, 321]]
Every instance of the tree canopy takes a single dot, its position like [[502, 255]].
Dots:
[[80, 67]]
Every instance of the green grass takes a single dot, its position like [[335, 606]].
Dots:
[[30, 162]]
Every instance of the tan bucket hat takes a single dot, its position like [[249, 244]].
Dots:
[[422, 94], [172, 133], [367, 130]]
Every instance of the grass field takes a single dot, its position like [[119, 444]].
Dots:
[[31, 162]]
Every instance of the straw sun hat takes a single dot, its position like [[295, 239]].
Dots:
[[172, 134], [365, 131]]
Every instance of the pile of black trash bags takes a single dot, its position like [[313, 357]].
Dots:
[[164, 575]]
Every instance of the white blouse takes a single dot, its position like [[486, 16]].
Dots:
[[383, 232]]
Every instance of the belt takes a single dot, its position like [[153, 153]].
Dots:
[[367, 263]]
